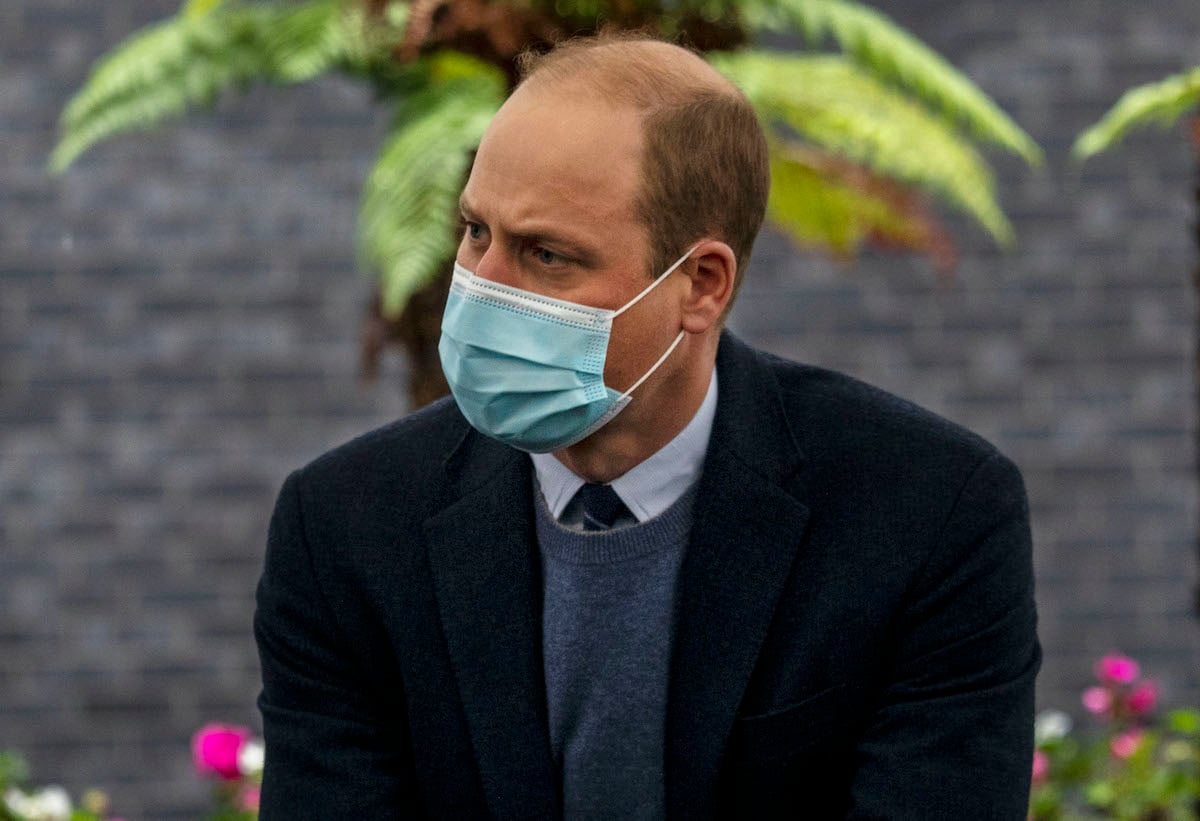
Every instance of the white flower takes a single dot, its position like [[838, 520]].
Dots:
[[251, 757], [47, 804], [16, 801], [55, 804], [1051, 725]]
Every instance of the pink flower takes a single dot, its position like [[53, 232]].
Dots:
[[1041, 767], [250, 799], [1116, 669], [1143, 698], [1097, 700], [215, 750], [1126, 744]]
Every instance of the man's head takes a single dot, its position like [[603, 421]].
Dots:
[[610, 160], [703, 168]]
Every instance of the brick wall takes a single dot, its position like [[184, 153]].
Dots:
[[178, 329]]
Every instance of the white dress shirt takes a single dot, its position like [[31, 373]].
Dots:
[[651, 486]]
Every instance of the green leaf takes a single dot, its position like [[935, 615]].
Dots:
[[13, 769], [407, 218], [1184, 722], [1160, 103], [891, 53], [1100, 793], [831, 102], [1045, 801]]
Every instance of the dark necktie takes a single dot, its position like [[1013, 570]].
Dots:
[[601, 506]]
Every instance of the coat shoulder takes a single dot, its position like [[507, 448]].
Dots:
[[402, 461], [430, 432], [837, 415]]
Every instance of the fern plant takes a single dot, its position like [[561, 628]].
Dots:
[[864, 128]]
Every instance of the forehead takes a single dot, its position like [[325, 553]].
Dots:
[[556, 155]]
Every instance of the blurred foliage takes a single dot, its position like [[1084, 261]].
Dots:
[[1158, 781], [1140, 767], [19, 801], [863, 127]]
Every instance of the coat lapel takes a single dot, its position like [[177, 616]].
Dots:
[[744, 538], [487, 579]]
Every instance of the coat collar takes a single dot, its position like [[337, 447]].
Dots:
[[487, 576]]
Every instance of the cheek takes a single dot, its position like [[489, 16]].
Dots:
[[463, 255], [617, 365]]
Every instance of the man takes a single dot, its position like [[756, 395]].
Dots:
[[722, 585]]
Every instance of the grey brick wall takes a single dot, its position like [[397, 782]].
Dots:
[[178, 329]]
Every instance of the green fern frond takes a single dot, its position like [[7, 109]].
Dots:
[[306, 40], [877, 43], [833, 103], [187, 61], [823, 203], [141, 111], [407, 218], [1160, 103], [141, 62]]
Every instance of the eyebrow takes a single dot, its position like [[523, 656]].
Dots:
[[582, 252]]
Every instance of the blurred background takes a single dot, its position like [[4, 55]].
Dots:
[[180, 316]]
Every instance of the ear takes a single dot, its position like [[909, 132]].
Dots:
[[711, 269]]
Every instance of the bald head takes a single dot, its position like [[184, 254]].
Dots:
[[641, 73], [702, 164]]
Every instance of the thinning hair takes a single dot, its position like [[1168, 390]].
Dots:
[[704, 168]]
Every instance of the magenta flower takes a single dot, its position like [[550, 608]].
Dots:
[[1097, 700], [1126, 744], [215, 750], [1041, 767], [1143, 698], [1116, 669]]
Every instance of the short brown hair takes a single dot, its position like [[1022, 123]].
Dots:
[[705, 166]]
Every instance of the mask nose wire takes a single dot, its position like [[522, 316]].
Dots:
[[655, 283]]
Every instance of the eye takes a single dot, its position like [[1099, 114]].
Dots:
[[546, 257], [473, 229]]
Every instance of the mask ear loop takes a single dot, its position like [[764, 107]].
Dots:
[[654, 284], [678, 339], [653, 367]]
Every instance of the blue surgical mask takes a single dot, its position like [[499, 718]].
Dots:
[[528, 369]]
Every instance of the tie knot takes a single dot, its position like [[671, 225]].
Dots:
[[601, 506]]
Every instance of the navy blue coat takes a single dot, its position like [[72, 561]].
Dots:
[[855, 626]]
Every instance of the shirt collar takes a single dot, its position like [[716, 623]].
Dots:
[[651, 486]]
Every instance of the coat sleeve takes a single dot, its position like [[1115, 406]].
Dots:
[[334, 747], [952, 734]]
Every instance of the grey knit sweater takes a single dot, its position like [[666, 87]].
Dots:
[[606, 635]]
